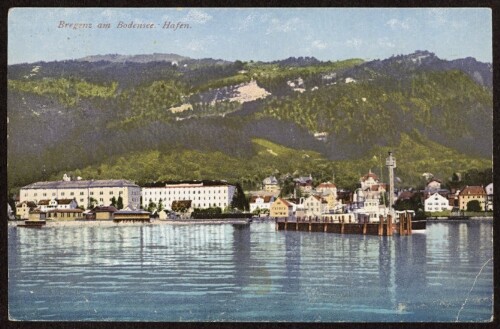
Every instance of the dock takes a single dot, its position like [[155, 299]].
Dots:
[[345, 225]]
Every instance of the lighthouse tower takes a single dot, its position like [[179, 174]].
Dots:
[[390, 163]]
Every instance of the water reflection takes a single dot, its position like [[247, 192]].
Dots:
[[249, 273]]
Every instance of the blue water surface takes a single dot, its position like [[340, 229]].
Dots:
[[250, 272]]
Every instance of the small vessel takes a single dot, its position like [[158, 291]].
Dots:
[[418, 225], [32, 223]]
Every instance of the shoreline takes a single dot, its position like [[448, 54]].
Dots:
[[110, 223]]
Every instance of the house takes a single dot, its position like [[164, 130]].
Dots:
[[433, 184], [315, 205], [46, 204], [328, 191], [371, 186], [37, 214], [65, 214], [281, 209], [471, 193], [325, 188], [103, 212], [261, 202], [453, 198], [132, 215], [489, 197], [436, 202], [305, 184], [368, 180], [270, 184], [23, 209]]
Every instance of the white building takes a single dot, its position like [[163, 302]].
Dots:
[[202, 194], [263, 202], [315, 205], [46, 205], [84, 191], [367, 206], [436, 202]]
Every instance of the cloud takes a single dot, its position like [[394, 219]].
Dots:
[[276, 25], [245, 23], [395, 24], [197, 16], [318, 44], [200, 45], [385, 42], [354, 43]]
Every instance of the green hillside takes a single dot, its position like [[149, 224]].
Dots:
[[415, 155], [158, 121]]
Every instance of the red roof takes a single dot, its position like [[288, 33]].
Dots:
[[370, 174], [474, 190], [288, 204]]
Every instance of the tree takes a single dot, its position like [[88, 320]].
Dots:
[[151, 206], [92, 203], [181, 206], [239, 199], [113, 201], [474, 206], [160, 205], [119, 203]]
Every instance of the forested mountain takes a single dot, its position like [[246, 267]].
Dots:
[[165, 116]]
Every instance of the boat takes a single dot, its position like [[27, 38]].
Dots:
[[418, 225], [32, 224]]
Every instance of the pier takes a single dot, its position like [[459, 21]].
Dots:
[[344, 224]]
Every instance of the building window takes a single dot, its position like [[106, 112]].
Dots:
[[62, 193], [91, 193], [81, 193], [101, 192], [72, 193]]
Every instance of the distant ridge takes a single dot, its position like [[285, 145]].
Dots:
[[142, 58]]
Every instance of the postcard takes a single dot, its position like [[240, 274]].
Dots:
[[250, 165]]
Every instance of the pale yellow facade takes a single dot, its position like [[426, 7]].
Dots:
[[82, 191], [280, 208]]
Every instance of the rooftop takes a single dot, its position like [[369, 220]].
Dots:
[[81, 184]]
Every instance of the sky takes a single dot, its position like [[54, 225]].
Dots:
[[265, 34]]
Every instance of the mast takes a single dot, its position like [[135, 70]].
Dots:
[[390, 163]]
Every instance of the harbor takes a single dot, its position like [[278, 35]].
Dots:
[[251, 272]]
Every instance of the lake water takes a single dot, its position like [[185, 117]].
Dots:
[[250, 273]]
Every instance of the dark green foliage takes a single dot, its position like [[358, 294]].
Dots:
[[211, 211], [92, 203], [414, 203], [474, 205], [151, 206], [119, 202], [181, 206], [114, 121], [113, 202], [239, 201]]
